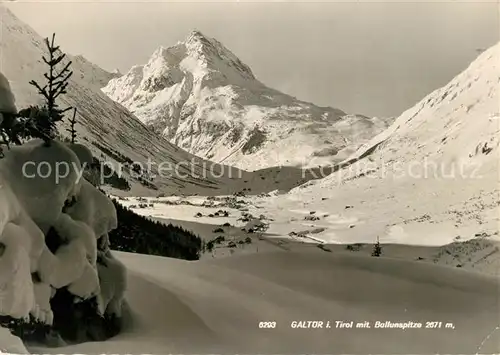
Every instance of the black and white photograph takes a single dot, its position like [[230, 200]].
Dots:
[[249, 177]]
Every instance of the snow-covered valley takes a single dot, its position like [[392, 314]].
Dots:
[[430, 180]]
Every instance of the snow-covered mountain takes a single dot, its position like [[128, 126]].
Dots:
[[204, 99], [430, 179], [458, 124], [104, 126]]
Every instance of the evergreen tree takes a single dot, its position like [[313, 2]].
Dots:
[[72, 129], [377, 249], [138, 234], [45, 119]]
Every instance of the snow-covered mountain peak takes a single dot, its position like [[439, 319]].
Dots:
[[196, 35], [198, 41], [200, 58], [204, 58], [110, 131], [214, 55], [202, 97]]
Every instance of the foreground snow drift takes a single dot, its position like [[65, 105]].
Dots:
[[217, 306], [10, 344]]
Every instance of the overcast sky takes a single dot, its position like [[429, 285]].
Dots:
[[373, 58]]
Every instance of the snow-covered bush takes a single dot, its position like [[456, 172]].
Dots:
[[50, 227], [54, 279], [93, 208], [113, 283], [42, 176]]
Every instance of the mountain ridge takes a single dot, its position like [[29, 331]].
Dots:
[[106, 127], [116, 136], [203, 98]]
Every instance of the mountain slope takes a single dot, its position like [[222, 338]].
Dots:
[[104, 126], [91, 73], [432, 178], [201, 97], [458, 123]]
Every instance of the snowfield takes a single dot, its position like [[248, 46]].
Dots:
[[11, 344], [216, 306]]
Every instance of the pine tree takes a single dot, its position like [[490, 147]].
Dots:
[[377, 249], [72, 129], [57, 82]]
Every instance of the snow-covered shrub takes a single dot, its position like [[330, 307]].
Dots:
[[16, 291], [51, 223], [93, 208], [12, 212], [49, 231], [67, 265], [113, 283], [43, 178]]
